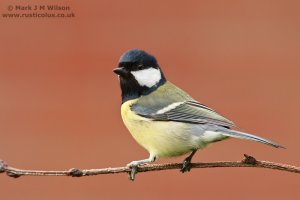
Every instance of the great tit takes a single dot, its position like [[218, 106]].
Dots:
[[164, 119]]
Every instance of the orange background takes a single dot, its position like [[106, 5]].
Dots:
[[60, 101]]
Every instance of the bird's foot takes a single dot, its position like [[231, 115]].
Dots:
[[132, 173], [186, 166], [134, 166]]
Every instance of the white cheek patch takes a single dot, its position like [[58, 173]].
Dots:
[[147, 77]]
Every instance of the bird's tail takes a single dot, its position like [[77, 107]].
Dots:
[[247, 136]]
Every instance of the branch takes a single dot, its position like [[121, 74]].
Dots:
[[248, 161]]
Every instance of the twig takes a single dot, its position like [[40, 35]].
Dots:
[[248, 161]]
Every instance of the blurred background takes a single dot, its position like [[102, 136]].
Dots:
[[60, 102]]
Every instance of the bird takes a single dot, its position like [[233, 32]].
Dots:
[[163, 118]]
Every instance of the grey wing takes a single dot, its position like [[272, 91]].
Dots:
[[186, 111]]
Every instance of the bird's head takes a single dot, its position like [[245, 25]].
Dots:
[[139, 74]]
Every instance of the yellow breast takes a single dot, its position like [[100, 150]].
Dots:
[[162, 139]]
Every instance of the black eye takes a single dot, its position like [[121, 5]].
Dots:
[[140, 67]]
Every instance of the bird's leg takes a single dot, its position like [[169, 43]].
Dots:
[[186, 165], [134, 165]]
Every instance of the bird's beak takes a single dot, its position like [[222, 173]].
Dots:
[[120, 71]]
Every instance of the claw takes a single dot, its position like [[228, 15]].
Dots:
[[134, 169], [132, 173], [134, 166], [186, 166]]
